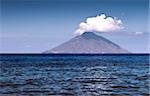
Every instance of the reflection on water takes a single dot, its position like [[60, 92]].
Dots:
[[97, 75]]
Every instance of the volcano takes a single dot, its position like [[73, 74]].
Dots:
[[88, 43]]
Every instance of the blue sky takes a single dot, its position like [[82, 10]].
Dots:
[[33, 26]]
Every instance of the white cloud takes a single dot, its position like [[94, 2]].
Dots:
[[100, 23], [139, 33]]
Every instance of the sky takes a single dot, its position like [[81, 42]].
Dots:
[[33, 26]]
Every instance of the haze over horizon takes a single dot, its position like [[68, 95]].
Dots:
[[32, 26]]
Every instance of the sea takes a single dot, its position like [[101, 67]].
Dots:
[[74, 75]]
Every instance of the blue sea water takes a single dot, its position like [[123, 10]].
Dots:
[[74, 75]]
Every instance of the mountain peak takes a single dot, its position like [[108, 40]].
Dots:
[[88, 42], [89, 35]]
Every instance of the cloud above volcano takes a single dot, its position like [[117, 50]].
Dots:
[[100, 23]]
